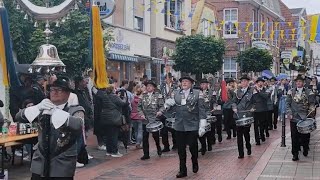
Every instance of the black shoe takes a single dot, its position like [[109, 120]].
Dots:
[[267, 135], [167, 149], [305, 153], [270, 128], [229, 137], [234, 135], [263, 139], [258, 143], [220, 139], [295, 158], [159, 151], [209, 148], [240, 156], [249, 152], [195, 167], [181, 174], [174, 147], [203, 151], [145, 157], [275, 126]]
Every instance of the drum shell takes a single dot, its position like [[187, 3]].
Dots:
[[306, 126], [154, 126], [244, 121], [170, 122]]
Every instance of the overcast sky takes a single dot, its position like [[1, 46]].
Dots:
[[313, 6]]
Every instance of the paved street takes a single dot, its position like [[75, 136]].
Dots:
[[268, 161]]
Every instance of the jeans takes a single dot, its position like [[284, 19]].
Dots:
[[112, 134], [137, 126]]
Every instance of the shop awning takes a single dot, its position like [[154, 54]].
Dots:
[[122, 57], [161, 61]]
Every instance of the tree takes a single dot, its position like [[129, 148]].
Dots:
[[255, 60], [71, 38], [198, 54]]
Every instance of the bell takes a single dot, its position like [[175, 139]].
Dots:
[[48, 56]]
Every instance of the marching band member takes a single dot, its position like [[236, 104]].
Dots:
[[217, 111], [300, 105], [60, 127], [260, 98], [242, 106], [150, 108], [167, 88], [227, 109], [208, 137], [190, 122]]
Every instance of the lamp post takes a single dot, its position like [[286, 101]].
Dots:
[[241, 47], [316, 61]]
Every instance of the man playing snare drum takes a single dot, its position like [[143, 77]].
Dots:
[[300, 105], [242, 107], [150, 107]]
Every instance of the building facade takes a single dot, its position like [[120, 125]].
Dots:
[[251, 21]]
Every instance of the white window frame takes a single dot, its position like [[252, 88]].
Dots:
[[207, 27], [229, 59], [134, 24], [232, 21], [177, 18]]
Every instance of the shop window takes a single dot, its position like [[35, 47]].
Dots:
[[173, 14], [138, 23], [230, 17]]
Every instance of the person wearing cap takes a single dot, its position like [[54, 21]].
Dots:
[[273, 106], [60, 126], [190, 122], [38, 89], [167, 88], [229, 121], [151, 109], [260, 99], [300, 104], [242, 107], [217, 112]]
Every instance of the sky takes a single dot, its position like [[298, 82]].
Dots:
[[313, 6]]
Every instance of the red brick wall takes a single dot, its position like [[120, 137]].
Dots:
[[288, 18]]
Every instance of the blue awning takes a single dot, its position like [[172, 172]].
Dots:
[[122, 57]]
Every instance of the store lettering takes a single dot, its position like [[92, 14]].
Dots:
[[119, 46]]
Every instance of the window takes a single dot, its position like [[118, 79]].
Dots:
[[173, 11], [253, 20], [230, 68], [138, 23], [230, 17], [207, 27]]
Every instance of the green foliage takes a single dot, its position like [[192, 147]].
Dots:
[[198, 54], [255, 60], [71, 38]]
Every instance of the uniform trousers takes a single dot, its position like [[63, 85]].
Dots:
[[217, 126], [275, 115], [260, 126], [269, 115], [165, 135], [243, 131], [185, 138], [207, 138], [38, 177], [229, 122], [298, 139], [145, 140]]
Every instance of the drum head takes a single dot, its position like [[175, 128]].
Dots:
[[171, 119], [245, 119], [304, 123]]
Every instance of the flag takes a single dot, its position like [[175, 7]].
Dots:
[[224, 95], [314, 27], [8, 76], [97, 50]]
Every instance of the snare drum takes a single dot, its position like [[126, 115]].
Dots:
[[306, 126], [170, 122], [211, 119], [244, 121], [154, 126]]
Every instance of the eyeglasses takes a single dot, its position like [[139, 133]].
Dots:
[[59, 90]]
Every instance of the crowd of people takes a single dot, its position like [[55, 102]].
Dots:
[[131, 110]]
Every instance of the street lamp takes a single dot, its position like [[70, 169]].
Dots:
[[241, 47]]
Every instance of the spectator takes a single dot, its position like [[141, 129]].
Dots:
[[136, 118], [38, 89]]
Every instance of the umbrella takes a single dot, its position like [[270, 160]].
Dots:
[[267, 73], [282, 76]]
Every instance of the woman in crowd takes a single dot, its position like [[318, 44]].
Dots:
[[110, 118], [136, 118]]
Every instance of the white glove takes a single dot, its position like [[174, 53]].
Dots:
[[45, 104], [202, 127], [94, 90], [169, 102]]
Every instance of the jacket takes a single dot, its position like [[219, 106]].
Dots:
[[243, 102], [231, 97], [63, 147], [134, 113], [260, 100], [189, 115], [150, 105]]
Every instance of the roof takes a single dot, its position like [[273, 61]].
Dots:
[[296, 10]]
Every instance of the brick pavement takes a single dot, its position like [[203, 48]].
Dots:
[[277, 164]]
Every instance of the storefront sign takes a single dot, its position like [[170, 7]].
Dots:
[[119, 44], [167, 52], [260, 45], [107, 7]]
